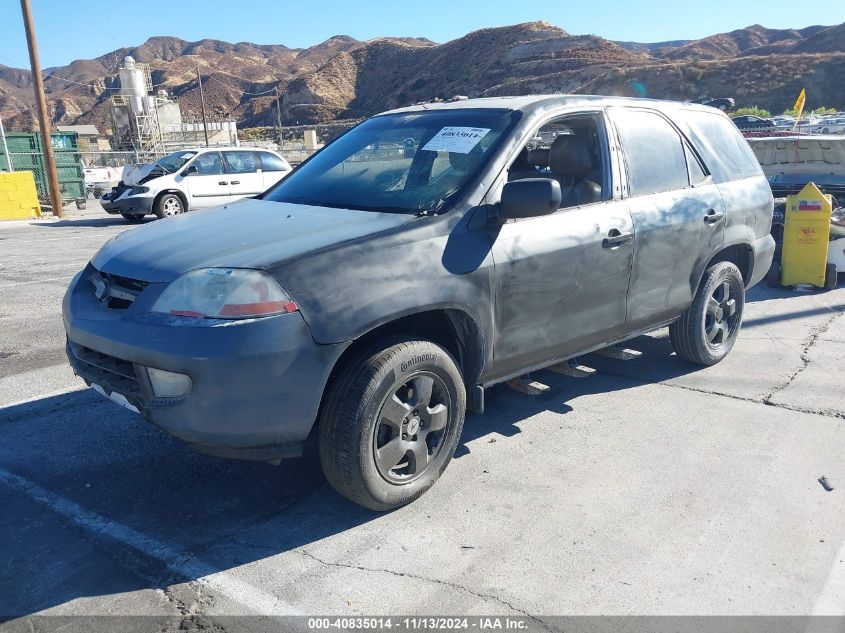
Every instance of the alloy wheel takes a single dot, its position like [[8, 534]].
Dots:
[[172, 206], [411, 427], [722, 318]]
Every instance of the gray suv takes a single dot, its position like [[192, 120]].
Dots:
[[371, 297]]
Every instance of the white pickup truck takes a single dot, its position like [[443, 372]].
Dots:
[[101, 179]]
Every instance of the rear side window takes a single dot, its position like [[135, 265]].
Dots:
[[209, 164], [241, 162], [271, 162], [723, 148], [654, 152]]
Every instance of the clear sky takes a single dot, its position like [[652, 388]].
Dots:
[[82, 29]]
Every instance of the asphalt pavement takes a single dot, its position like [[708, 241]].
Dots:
[[654, 487]]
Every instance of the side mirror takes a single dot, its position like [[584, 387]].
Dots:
[[189, 170], [530, 198]]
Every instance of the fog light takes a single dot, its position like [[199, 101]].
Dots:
[[167, 384]]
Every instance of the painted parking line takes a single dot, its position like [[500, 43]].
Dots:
[[64, 238], [181, 564], [36, 281], [38, 384], [831, 599]]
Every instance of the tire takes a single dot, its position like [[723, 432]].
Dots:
[[372, 423], [707, 331], [133, 218], [169, 205], [773, 276], [830, 279]]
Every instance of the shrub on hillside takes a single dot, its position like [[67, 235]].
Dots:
[[753, 111]]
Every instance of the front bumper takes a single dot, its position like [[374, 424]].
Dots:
[[256, 385], [140, 204]]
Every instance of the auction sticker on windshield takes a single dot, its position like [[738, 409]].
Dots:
[[456, 140]]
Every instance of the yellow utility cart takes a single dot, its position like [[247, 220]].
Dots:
[[806, 235]]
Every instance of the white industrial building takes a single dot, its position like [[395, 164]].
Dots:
[[151, 122]]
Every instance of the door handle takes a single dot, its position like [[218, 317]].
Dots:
[[222, 182], [616, 238], [236, 182], [712, 216]]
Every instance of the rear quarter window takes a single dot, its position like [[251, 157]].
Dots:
[[723, 148], [271, 162]]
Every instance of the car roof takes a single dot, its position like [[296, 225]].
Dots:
[[200, 150], [527, 103]]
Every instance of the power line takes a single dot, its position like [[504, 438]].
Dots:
[[78, 83], [244, 92]]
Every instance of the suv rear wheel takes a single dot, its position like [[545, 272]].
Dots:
[[391, 422], [707, 331], [169, 204]]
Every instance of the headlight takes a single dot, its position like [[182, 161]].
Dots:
[[224, 293], [134, 191]]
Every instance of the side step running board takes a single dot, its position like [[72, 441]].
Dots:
[[619, 353], [524, 384], [572, 369]]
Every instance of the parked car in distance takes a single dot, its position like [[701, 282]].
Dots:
[[829, 125], [783, 121], [194, 179], [750, 122], [370, 298], [725, 104]]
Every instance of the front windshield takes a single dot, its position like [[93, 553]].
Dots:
[[175, 161], [412, 162]]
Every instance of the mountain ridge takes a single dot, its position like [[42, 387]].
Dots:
[[343, 77]]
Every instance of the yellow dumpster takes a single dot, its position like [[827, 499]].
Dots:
[[806, 232], [18, 198]]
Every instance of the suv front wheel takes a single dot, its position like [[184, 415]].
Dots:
[[707, 331], [390, 423]]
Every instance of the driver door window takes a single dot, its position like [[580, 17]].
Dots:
[[571, 150]]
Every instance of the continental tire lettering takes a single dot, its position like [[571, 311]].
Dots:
[[416, 360]]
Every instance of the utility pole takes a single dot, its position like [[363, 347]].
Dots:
[[43, 115], [9, 167], [202, 104], [279, 122]]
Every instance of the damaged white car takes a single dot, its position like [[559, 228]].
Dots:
[[194, 179]]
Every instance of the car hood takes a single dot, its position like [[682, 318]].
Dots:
[[245, 234], [136, 173]]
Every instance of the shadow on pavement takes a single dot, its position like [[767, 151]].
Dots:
[[91, 222], [112, 463], [82, 448]]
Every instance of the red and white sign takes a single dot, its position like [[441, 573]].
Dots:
[[809, 205]]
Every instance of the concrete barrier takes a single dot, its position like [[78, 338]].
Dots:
[[18, 198]]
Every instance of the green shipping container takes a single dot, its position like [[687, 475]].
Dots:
[[25, 150]]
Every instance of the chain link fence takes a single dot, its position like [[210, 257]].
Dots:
[[96, 172]]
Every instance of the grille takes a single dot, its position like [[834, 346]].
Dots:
[[115, 292], [107, 371]]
